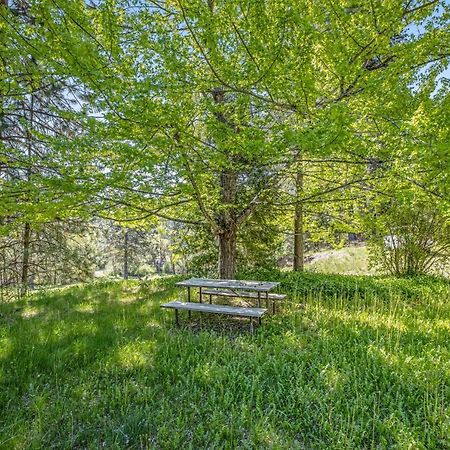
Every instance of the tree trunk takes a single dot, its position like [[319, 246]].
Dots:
[[299, 241], [226, 218], [27, 227], [227, 225], [227, 254], [299, 246], [125, 256], [25, 257]]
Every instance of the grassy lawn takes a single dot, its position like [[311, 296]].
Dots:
[[350, 362]]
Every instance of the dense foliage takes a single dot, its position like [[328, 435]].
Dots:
[[241, 121]]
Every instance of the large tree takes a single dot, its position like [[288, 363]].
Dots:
[[203, 107]]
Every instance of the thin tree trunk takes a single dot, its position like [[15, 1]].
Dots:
[[27, 227], [299, 247], [299, 239], [125, 256], [25, 257]]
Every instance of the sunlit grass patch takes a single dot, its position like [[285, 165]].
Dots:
[[29, 311], [134, 354], [85, 308]]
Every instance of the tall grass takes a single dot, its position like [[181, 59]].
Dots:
[[102, 366]]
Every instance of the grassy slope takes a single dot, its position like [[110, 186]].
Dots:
[[364, 364], [351, 260]]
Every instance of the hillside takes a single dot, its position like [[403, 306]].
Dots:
[[348, 260]]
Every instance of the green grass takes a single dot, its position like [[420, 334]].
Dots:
[[350, 362]]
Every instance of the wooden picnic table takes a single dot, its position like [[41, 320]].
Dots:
[[261, 288], [226, 288]]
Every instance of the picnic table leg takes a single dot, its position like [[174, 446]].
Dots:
[[200, 294], [210, 299], [273, 306], [259, 299], [189, 299], [267, 299], [259, 321], [251, 325]]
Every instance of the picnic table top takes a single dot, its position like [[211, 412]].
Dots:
[[261, 286]]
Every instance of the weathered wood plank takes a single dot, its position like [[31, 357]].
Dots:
[[242, 294], [261, 286], [216, 309]]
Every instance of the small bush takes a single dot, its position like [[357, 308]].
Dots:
[[410, 239]]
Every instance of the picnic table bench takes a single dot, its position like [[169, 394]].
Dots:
[[244, 294], [251, 313], [226, 288]]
